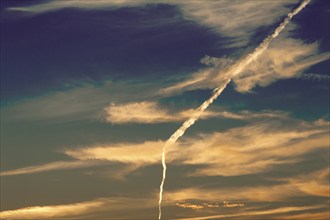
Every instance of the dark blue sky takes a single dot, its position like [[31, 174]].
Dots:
[[91, 90]]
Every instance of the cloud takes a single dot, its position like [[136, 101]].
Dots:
[[139, 112], [259, 213], [148, 152], [195, 205], [314, 77], [228, 153], [148, 112], [322, 215], [255, 148], [316, 183], [83, 101], [236, 20], [251, 149], [58, 165], [279, 192], [57, 211], [285, 58], [99, 207]]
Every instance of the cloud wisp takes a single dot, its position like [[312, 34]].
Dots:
[[97, 207], [233, 71], [150, 112], [223, 17], [57, 211], [284, 59], [258, 213], [58, 165]]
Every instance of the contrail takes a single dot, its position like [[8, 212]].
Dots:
[[233, 71]]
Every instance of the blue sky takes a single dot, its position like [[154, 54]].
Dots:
[[91, 91]]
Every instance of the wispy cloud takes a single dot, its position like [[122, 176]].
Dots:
[[316, 183], [207, 205], [100, 207], [148, 112], [131, 153], [259, 213], [285, 58], [314, 77], [235, 149], [236, 20], [277, 142], [57, 211], [58, 165], [78, 102]]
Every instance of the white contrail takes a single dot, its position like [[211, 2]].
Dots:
[[229, 74]]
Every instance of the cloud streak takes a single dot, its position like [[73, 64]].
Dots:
[[57, 211], [259, 212], [94, 209], [150, 112], [58, 165]]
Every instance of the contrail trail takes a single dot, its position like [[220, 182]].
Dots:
[[234, 70]]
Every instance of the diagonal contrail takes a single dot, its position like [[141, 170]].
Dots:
[[228, 75]]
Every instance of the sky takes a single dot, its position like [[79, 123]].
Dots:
[[92, 90]]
